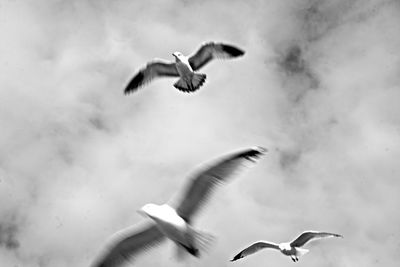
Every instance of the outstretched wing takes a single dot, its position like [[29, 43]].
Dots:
[[127, 244], [205, 180], [254, 248], [212, 50], [307, 236], [152, 70]]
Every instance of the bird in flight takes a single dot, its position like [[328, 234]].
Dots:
[[292, 249], [183, 67], [174, 220]]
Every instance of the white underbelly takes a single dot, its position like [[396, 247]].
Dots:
[[286, 249], [173, 231], [184, 70], [173, 226]]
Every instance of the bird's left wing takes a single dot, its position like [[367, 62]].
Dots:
[[126, 244], [151, 71], [254, 248], [212, 50], [307, 236], [205, 180]]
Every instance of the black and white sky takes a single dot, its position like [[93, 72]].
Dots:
[[319, 87]]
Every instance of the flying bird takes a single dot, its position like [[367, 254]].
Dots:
[[174, 221], [183, 67], [292, 249]]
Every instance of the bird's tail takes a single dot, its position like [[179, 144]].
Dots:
[[199, 244], [191, 86], [198, 79], [203, 240], [301, 251]]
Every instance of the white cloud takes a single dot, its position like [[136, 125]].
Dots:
[[318, 86]]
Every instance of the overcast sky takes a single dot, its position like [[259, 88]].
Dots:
[[318, 86]]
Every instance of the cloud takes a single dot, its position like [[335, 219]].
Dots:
[[296, 73], [318, 86], [8, 232], [289, 158]]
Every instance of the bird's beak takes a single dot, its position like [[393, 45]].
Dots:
[[174, 54]]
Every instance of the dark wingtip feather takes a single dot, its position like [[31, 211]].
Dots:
[[134, 83], [233, 51], [237, 257], [260, 149], [252, 154]]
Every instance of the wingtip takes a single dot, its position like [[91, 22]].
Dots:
[[240, 52], [129, 89], [233, 51], [253, 154], [134, 83], [260, 149], [237, 257]]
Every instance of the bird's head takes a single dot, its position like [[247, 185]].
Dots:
[[148, 210], [178, 56]]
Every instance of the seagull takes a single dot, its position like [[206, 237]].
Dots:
[[174, 221], [292, 249], [183, 67]]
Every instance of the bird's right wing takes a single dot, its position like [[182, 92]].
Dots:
[[152, 70], [209, 51], [254, 248], [307, 236], [206, 179], [126, 244]]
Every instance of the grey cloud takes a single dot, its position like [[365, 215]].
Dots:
[[297, 75], [289, 158], [9, 231], [78, 157], [8, 234], [293, 62]]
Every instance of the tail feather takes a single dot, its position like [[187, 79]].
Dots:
[[198, 79], [301, 251], [203, 240], [196, 82], [200, 243]]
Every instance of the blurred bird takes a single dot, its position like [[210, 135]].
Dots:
[[292, 249], [184, 67], [174, 222]]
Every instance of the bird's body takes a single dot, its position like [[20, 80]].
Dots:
[[293, 252], [174, 221], [184, 67], [189, 81], [172, 226], [286, 249], [292, 249], [167, 220]]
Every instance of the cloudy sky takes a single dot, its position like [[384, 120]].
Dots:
[[319, 87]]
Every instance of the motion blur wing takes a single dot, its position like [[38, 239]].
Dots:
[[203, 183]]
